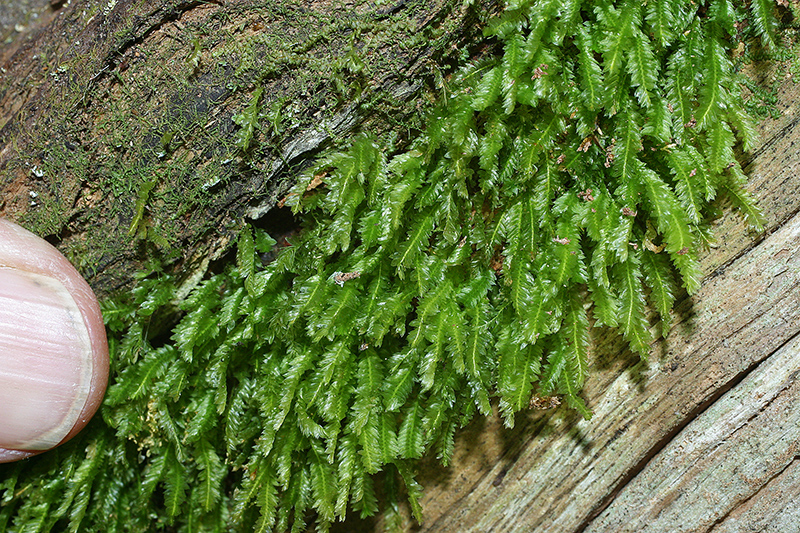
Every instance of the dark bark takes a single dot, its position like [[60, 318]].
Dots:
[[117, 139]]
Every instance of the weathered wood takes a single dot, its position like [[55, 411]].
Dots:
[[702, 437], [16, 17], [772, 509], [722, 459], [557, 482]]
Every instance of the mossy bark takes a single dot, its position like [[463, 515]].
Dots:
[[117, 134]]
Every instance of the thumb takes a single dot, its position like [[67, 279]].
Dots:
[[53, 349]]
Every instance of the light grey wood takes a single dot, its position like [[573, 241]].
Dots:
[[555, 483], [719, 461], [773, 509]]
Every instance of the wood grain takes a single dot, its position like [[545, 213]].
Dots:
[[722, 459]]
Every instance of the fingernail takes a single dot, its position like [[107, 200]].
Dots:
[[45, 361]]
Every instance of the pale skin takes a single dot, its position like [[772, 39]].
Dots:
[[34, 276]]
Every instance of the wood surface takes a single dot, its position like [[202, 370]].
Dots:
[[701, 437]]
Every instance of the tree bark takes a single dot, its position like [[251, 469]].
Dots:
[[117, 138]]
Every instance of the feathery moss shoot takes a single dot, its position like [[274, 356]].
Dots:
[[575, 171]]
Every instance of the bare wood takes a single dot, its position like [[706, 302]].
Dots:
[[722, 459], [772, 509], [556, 482]]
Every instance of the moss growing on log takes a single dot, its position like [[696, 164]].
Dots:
[[576, 169]]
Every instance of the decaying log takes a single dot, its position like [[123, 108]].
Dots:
[[117, 133]]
